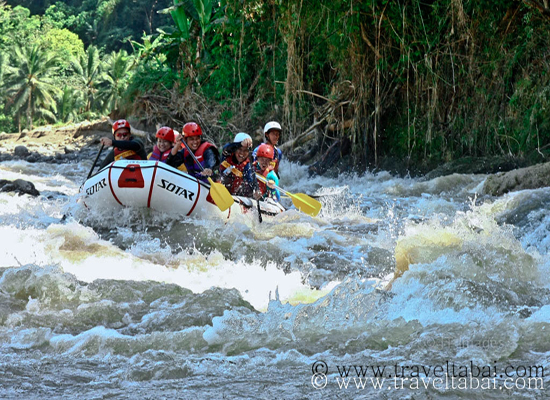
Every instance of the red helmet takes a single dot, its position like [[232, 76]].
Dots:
[[166, 134], [191, 129], [121, 123], [265, 150]]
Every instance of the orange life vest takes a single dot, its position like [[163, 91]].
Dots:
[[121, 154]]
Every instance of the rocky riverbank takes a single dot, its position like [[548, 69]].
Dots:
[[69, 143]]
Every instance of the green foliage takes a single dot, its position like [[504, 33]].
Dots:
[[60, 16], [87, 68], [435, 80], [117, 68], [29, 85], [180, 18], [65, 44], [17, 26], [204, 13], [70, 102]]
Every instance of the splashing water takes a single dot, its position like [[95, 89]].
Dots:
[[393, 273]]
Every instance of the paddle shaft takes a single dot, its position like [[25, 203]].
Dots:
[[64, 217], [259, 211], [192, 154], [301, 201], [313, 196], [219, 193], [264, 180], [95, 161]]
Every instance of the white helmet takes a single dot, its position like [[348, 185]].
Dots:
[[241, 136], [272, 125]]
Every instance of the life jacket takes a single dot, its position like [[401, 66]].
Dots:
[[192, 167], [257, 169], [277, 154], [232, 173], [269, 174], [274, 165], [157, 155], [121, 154]]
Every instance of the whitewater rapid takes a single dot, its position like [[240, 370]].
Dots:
[[132, 303]]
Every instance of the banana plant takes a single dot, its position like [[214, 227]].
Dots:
[[204, 12], [182, 21], [184, 11]]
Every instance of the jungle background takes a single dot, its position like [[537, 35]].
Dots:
[[422, 81]]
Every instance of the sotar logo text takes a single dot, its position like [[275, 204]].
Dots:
[[178, 190], [95, 188]]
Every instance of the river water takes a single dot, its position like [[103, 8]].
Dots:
[[141, 304]]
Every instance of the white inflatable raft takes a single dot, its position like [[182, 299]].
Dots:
[[156, 185]]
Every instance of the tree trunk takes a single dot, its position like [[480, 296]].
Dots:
[[29, 112]]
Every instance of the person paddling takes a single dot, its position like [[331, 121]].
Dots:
[[236, 170], [272, 132], [165, 141], [125, 146], [263, 166], [205, 152]]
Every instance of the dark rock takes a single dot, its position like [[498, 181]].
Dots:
[[19, 186], [476, 165], [52, 195], [36, 134], [525, 178], [23, 134], [330, 163], [21, 151], [400, 167], [69, 149], [34, 157]]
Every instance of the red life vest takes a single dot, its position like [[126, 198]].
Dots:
[[232, 174], [121, 154], [157, 155], [192, 167]]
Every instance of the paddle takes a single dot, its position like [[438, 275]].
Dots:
[[218, 192], [95, 161], [64, 217], [259, 211], [301, 201], [334, 192]]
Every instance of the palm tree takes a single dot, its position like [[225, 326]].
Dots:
[[87, 68], [3, 69], [29, 83], [68, 103], [117, 68]]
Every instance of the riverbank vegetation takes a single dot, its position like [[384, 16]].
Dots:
[[423, 81]]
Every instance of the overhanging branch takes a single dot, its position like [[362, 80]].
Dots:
[[542, 7]]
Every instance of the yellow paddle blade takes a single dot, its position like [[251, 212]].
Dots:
[[220, 195], [303, 202], [306, 204]]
